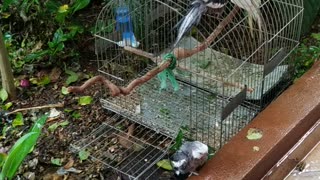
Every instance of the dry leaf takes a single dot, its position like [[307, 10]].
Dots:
[[254, 134], [55, 74], [69, 164]]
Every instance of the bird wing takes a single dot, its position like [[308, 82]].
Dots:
[[193, 17]]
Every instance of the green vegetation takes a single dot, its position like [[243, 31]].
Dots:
[[11, 162], [40, 31], [306, 54]]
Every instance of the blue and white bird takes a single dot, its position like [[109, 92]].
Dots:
[[199, 7], [190, 156]]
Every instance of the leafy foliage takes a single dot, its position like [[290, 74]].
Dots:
[[306, 54], [48, 29], [21, 149]]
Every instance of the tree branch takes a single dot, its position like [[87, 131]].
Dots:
[[180, 54]]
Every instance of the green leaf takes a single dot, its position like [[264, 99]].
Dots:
[[85, 100], [18, 153], [254, 134], [3, 158], [73, 77], [53, 127], [3, 95], [64, 123], [178, 141], [7, 106], [316, 36], [83, 155], [64, 90], [80, 4], [56, 161], [18, 120], [45, 80], [165, 164], [76, 115]]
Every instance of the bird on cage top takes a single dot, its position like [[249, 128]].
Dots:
[[190, 156], [199, 7]]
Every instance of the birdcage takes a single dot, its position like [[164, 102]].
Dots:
[[221, 88]]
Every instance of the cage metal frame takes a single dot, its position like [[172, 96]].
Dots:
[[214, 107]]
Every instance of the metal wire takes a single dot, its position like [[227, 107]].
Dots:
[[221, 88]]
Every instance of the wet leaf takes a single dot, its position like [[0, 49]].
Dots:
[[56, 161], [165, 164], [64, 90], [3, 95], [7, 106], [254, 134], [83, 155], [73, 77], [85, 100], [256, 148], [18, 120]]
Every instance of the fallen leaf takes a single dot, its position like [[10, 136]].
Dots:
[[64, 90], [62, 171], [53, 127], [18, 120], [56, 161], [3, 95], [7, 106], [69, 164], [83, 155], [55, 74], [165, 164], [54, 113], [256, 148], [73, 77], [85, 100], [254, 134]]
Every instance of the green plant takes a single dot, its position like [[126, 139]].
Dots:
[[306, 54], [50, 27], [21, 149]]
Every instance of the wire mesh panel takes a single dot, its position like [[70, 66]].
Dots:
[[221, 88]]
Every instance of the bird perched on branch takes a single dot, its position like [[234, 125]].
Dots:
[[199, 7], [189, 157]]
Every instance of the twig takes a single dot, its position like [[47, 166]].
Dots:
[[124, 141], [36, 107]]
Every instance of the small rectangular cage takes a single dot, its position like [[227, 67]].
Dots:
[[221, 88]]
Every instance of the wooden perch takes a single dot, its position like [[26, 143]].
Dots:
[[180, 54], [115, 90]]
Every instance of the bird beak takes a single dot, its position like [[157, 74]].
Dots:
[[177, 173]]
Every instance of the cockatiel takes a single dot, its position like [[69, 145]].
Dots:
[[199, 7], [252, 8], [189, 157]]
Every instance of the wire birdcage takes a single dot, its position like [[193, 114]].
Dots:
[[220, 88]]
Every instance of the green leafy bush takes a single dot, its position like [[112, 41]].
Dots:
[[306, 54], [41, 31]]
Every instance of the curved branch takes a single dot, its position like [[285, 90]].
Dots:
[[114, 89]]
